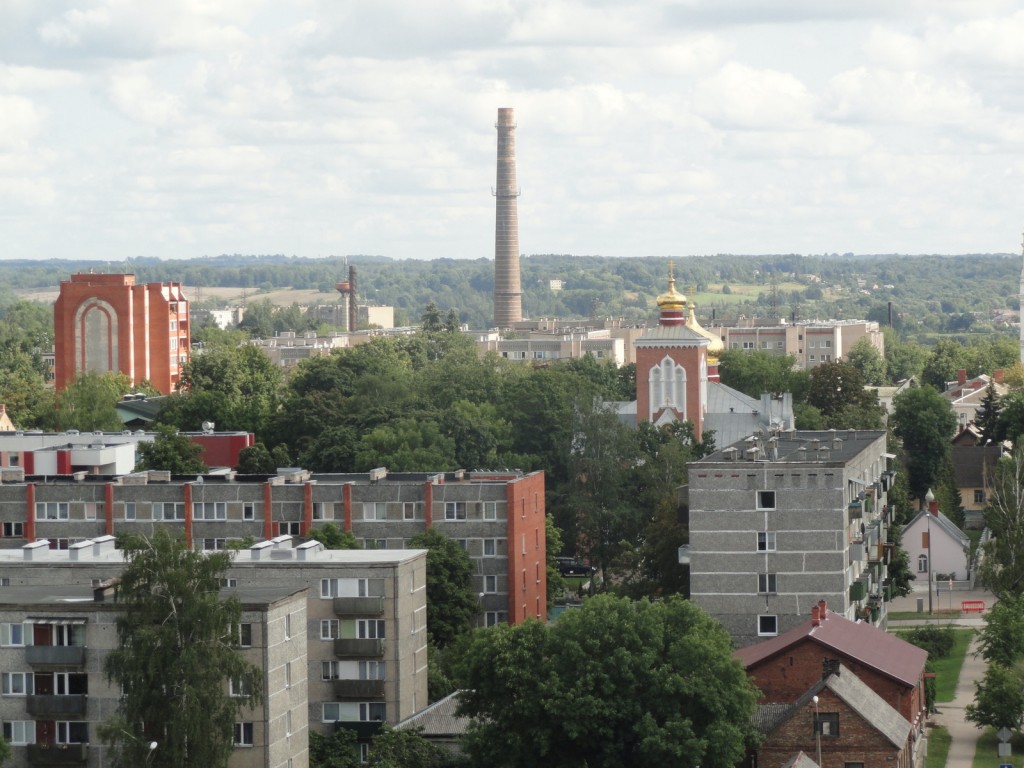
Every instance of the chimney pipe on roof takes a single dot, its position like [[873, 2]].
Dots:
[[961, 376], [933, 505], [815, 616]]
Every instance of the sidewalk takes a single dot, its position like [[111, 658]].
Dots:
[[964, 735]]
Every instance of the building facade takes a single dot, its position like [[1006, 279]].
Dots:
[[54, 641], [107, 323], [498, 518], [784, 519], [811, 343]]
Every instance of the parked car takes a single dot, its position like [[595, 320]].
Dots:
[[568, 566]]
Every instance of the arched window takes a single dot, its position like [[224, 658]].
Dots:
[[922, 564]]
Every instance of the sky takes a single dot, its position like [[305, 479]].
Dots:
[[189, 128]]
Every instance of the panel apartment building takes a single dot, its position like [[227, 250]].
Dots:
[[498, 518], [782, 520], [340, 636], [811, 343]]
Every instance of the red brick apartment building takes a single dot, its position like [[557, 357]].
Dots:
[[106, 323]]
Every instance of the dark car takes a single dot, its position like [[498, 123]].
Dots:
[[568, 566]]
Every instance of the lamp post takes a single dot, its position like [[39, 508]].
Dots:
[[817, 729], [929, 498]]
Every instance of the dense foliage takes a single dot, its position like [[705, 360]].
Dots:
[[615, 683]]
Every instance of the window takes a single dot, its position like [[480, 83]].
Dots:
[[375, 510], [490, 584], [69, 634], [749, 345], [288, 529], [370, 629], [372, 670], [228, 583], [322, 510], [243, 734], [766, 583], [91, 509], [455, 510], [811, 358], [372, 712], [826, 724], [52, 510], [20, 732], [169, 510], [766, 541], [248, 511], [979, 496], [409, 510], [287, 674], [767, 625], [72, 732], [12, 634], [331, 712], [330, 670], [922, 563], [70, 683], [490, 510], [375, 543], [12, 530], [766, 499], [17, 684], [814, 344], [330, 588], [129, 510], [827, 343], [213, 545], [245, 635], [491, 618], [329, 629], [240, 688], [287, 626], [210, 510], [490, 547], [463, 544], [364, 754]]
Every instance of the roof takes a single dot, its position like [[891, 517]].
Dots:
[[439, 719], [944, 524], [803, 446], [859, 641], [800, 760], [858, 696], [974, 465]]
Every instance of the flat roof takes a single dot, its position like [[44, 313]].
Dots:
[[796, 446]]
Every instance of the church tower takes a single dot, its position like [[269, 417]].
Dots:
[[672, 366]]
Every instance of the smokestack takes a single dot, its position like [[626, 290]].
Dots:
[[508, 297], [353, 308]]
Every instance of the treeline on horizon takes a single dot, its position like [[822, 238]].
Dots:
[[929, 294]]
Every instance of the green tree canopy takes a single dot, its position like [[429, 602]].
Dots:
[[451, 603], [924, 422], [172, 452], [89, 403], [998, 698], [177, 653], [868, 361], [614, 684], [757, 371], [332, 537], [1002, 638], [1002, 568]]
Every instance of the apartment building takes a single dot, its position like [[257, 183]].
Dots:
[[343, 641], [54, 640], [498, 517], [811, 343], [784, 519]]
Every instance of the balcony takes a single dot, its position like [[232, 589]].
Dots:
[[359, 689], [858, 590], [55, 655], [364, 730], [359, 606], [855, 511], [58, 754], [347, 649], [56, 706]]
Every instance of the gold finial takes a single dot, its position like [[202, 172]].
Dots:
[[671, 270]]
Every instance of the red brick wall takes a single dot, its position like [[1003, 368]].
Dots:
[[527, 549], [857, 742], [688, 358], [787, 676]]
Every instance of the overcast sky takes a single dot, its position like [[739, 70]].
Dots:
[[184, 128]]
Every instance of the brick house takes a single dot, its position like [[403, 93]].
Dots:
[[845, 722], [785, 667]]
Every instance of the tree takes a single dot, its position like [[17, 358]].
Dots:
[[451, 604], [1002, 638], [172, 452], [339, 749], [903, 359], [431, 320], [837, 390], [756, 372], [1002, 568], [405, 749], [332, 537], [899, 573], [987, 417], [923, 420], [998, 698], [177, 653], [1011, 417], [868, 361], [89, 403], [615, 683], [947, 357], [5, 751]]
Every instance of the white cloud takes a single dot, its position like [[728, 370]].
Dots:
[[742, 97]]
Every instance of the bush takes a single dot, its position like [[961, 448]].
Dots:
[[938, 641]]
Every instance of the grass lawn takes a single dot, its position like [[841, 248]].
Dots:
[[938, 747], [947, 670], [985, 756]]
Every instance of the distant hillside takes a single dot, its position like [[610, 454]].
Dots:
[[928, 293]]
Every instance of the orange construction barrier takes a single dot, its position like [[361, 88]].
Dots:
[[972, 606]]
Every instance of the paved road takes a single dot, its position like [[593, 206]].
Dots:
[[951, 714]]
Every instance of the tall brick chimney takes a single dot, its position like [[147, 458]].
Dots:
[[508, 295]]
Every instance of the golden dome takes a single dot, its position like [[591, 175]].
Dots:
[[715, 345], [671, 299]]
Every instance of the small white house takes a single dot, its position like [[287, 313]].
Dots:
[[930, 535]]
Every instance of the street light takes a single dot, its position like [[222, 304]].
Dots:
[[817, 729], [929, 498]]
